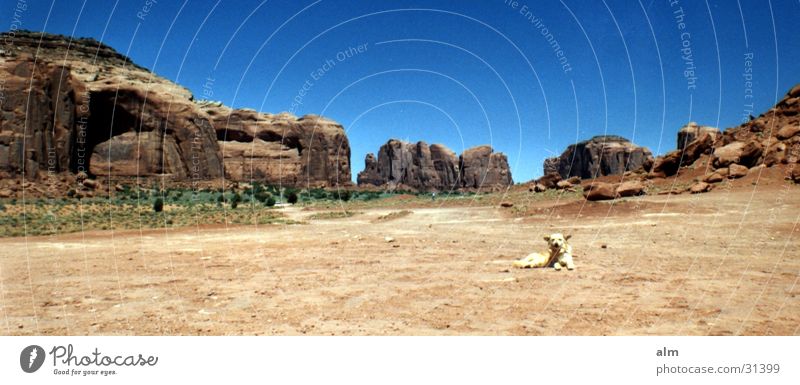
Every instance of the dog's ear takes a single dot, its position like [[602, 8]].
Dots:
[[568, 237], [547, 238]]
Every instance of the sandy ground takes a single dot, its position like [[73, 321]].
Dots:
[[719, 263]]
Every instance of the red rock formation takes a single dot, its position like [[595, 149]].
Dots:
[[91, 109], [310, 151], [411, 165], [599, 156], [88, 108], [482, 168], [434, 168], [772, 138], [691, 131]]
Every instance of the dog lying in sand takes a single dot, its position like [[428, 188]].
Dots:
[[559, 254]]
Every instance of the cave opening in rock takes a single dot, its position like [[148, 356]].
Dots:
[[106, 119]]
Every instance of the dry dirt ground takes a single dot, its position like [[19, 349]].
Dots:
[[721, 263]]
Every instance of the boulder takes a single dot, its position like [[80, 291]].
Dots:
[[795, 174], [751, 153], [700, 187], [538, 187], [630, 188], [788, 131], [704, 144], [714, 177], [599, 156], [561, 185], [776, 154], [91, 184], [728, 154], [666, 165], [549, 180], [597, 191], [737, 171]]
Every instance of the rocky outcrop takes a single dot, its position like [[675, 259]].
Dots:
[[481, 167], [599, 156], [91, 109], [281, 149], [79, 106], [417, 166], [410, 166], [551, 166], [772, 138], [690, 132]]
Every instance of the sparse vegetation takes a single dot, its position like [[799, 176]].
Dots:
[[393, 215], [333, 215], [157, 206]]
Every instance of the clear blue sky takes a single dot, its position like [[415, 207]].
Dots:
[[461, 73]]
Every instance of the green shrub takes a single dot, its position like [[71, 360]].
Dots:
[[158, 205], [318, 194], [291, 197], [270, 202], [262, 196]]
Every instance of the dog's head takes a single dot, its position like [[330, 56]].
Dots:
[[557, 241]]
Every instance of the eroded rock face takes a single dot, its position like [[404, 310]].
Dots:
[[690, 132], [98, 112], [88, 108], [481, 167], [411, 166], [309, 151], [599, 156], [434, 168]]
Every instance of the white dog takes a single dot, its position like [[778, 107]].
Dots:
[[559, 254]]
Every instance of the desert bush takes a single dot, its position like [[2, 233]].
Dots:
[[318, 194], [342, 195], [262, 196], [158, 205], [291, 196], [270, 202]]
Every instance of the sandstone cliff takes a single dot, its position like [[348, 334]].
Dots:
[[309, 151], [77, 105], [421, 167], [88, 108], [414, 166], [599, 156], [481, 167]]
